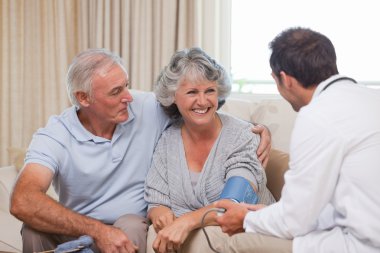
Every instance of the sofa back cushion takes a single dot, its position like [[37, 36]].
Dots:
[[278, 164], [274, 113], [279, 117], [7, 178]]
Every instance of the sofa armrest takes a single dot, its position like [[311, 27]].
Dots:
[[10, 238], [278, 164]]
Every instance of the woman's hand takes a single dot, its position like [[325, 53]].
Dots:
[[170, 238], [161, 217], [265, 143]]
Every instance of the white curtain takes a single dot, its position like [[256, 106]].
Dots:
[[36, 44], [40, 37]]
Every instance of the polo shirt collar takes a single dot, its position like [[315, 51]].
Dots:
[[80, 133]]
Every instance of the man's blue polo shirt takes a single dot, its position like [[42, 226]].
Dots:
[[97, 177]]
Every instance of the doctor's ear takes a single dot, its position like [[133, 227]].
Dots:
[[283, 76], [286, 80]]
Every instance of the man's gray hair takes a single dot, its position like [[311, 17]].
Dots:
[[84, 66]]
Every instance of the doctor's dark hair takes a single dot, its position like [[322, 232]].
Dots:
[[193, 65], [304, 54]]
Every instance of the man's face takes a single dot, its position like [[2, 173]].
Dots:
[[110, 95], [287, 93]]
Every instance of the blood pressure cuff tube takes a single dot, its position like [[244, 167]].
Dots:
[[239, 189]]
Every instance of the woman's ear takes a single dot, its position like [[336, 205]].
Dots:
[[82, 98]]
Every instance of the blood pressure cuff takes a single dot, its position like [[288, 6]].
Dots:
[[239, 190]]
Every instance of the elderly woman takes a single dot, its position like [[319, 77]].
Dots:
[[197, 154]]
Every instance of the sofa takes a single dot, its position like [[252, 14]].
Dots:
[[273, 112]]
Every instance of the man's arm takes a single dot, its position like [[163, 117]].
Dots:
[[31, 204], [265, 143], [317, 155]]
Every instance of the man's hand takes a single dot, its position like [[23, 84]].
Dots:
[[265, 143], [232, 220], [111, 239], [251, 207]]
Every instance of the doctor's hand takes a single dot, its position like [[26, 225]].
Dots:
[[252, 207], [232, 220]]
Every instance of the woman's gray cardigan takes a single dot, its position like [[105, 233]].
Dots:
[[233, 154]]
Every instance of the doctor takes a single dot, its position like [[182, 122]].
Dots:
[[331, 197]]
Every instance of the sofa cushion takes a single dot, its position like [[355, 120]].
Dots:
[[7, 178], [17, 157], [278, 164], [275, 113], [240, 108], [279, 117], [10, 239]]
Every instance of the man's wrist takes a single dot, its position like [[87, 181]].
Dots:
[[247, 222]]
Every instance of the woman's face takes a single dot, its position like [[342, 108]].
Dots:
[[197, 101]]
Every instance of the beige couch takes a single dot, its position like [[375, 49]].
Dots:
[[274, 113], [10, 239]]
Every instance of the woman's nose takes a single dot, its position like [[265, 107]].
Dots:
[[201, 98]]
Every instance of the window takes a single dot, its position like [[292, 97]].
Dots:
[[352, 26]]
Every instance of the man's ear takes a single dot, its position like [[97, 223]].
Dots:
[[286, 80], [83, 98]]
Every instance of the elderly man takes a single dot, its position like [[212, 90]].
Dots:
[[96, 154], [331, 198]]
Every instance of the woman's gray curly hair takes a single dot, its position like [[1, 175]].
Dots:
[[194, 65]]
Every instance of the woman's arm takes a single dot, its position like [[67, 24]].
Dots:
[[243, 161], [173, 235], [161, 216]]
